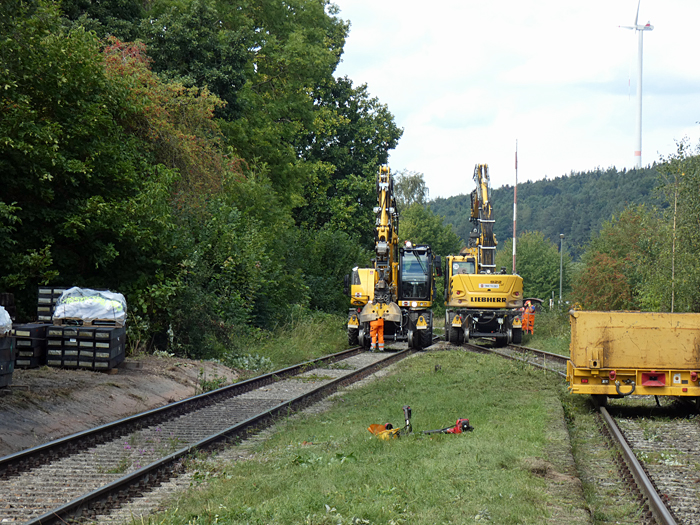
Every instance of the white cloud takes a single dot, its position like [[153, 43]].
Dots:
[[466, 78]]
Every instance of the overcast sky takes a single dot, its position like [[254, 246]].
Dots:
[[466, 78]]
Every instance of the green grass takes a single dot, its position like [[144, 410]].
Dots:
[[309, 336], [552, 332], [328, 469]]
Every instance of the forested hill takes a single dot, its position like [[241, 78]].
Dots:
[[575, 205]]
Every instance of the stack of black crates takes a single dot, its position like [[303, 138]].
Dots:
[[30, 345], [48, 296], [90, 347], [31, 350]]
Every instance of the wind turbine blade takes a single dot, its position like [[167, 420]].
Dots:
[[637, 17]]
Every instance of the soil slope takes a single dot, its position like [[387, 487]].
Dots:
[[48, 403]]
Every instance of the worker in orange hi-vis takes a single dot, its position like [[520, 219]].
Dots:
[[376, 330], [529, 318]]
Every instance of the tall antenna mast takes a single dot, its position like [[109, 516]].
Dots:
[[640, 31], [515, 202]]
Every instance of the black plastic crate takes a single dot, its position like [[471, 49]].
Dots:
[[54, 331], [54, 343], [85, 362], [112, 363], [48, 296], [71, 353], [37, 351], [51, 292], [102, 333], [25, 342], [70, 361], [30, 362], [31, 330], [106, 354], [56, 361], [70, 332], [54, 353]]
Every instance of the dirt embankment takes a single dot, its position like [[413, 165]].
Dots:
[[49, 403]]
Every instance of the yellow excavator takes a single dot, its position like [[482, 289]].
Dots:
[[479, 301], [399, 287]]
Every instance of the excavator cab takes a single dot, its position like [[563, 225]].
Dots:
[[415, 275]]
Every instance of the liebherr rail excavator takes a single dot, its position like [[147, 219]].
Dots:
[[479, 301], [399, 287]]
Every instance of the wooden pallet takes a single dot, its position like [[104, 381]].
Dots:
[[74, 321]]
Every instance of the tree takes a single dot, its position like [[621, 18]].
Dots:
[[612, 265], [537, 262], [352, 138], [68, 167], [189, 44], [409, 188], [420, 225], [670, 279]]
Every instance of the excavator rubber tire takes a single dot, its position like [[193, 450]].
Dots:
[[426, 338], [353, 336], [456, 335], [517, 336]]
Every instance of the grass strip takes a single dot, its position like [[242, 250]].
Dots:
[[328, 469]]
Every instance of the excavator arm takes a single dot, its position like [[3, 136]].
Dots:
[[482, 218], [386, 253]]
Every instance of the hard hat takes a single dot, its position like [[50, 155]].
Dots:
[[408, 244]]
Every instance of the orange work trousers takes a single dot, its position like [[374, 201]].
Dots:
[[528, 323], [376, 330]]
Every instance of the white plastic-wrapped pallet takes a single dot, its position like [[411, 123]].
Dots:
[[5, 322], [90, 306]]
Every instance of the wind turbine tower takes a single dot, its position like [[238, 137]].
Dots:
[[640, 31]]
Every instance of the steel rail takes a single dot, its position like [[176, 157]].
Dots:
[[656, 504], [553, 357], [41, 454], [544, 353], [134, 483]]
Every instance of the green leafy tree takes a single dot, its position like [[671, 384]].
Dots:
[[293, 49], [351, 140], [189, 44], [612, 270], [671, 267], [67, 164], [537, 262], [409, 188], [420, 225], [119, 18]]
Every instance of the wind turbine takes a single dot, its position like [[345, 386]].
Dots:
[[640, 31]]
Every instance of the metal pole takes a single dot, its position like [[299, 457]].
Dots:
[[515, 203], [638, 142], [561, 264]]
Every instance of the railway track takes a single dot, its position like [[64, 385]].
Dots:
[[85, 475], [531, 356], [659, 457], [665, 441]]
